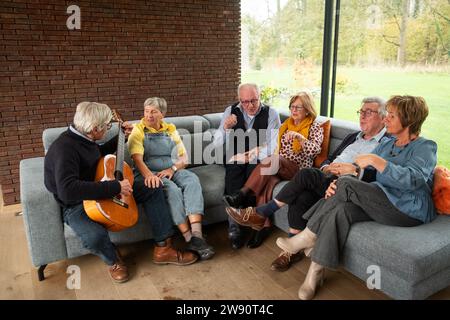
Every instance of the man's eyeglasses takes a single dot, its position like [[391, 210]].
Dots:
[[366, 113], [247, 102], [296, 108]]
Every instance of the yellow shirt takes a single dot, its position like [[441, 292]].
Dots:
[[137, 136]]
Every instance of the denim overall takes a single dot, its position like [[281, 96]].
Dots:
[[183, 191]]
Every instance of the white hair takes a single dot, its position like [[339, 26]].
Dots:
[[159, 103], [381, 104], [248, 85], [90, 115]]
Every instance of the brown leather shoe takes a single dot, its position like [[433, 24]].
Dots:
[[119, 272], [247, 217], [284, 261], [168, 255]]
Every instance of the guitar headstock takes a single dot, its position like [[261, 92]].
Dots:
[[117, 116]]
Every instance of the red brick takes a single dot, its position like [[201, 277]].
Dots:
[[189, 54]]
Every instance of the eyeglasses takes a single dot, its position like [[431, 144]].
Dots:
[[366, 113], [108, 126], [296, 108], [247, 102]]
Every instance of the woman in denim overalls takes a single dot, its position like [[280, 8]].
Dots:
[[160, 157]]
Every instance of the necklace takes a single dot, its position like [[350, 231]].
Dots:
[[394, 154]]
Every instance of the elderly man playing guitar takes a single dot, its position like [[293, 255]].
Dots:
[[70, 170]]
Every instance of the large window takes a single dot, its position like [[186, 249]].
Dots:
[[385, 47], [282, 47], [396, 47]]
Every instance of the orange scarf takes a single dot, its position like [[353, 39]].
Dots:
[[302, 128]]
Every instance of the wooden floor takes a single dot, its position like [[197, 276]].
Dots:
[[244, 274]]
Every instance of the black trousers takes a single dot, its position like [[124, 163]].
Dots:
[[306, 188], [235, 177], [354, 201]]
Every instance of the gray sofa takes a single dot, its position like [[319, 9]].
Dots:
[[414, 263]]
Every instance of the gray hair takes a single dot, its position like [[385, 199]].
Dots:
[[248, 85], [90, 115], [158, 103], [381, 104]]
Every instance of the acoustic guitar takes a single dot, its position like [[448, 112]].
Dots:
[[120, 212]]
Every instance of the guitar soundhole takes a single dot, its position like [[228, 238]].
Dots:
[[117, 200]]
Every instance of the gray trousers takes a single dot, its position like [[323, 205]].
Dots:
[[354, 201]]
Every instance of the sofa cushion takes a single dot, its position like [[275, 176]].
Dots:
[[197, 148], [413, 253], [212, 179], [189, 124], [213, 119], [339, 130], [280, 218], [441, 189]]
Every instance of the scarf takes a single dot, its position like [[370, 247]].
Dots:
[[302, 128]]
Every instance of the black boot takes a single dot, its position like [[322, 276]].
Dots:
[[234, 234], [237, 200], [201, 247], [236, 241], [258, 237]]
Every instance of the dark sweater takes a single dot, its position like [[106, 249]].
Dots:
[[70, 166], [348, 140], [369, 174], [261, 122]]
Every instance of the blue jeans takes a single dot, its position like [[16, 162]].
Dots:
[[96, 238], [93, 235], [184, 194]]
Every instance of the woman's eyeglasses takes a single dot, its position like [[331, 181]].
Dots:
[[296, 108]]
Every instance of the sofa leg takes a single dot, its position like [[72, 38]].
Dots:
[[41, 272]]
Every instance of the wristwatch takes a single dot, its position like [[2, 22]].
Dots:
[[174, 168], [357, 169]]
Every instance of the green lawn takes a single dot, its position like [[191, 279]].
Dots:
[[362, 82]]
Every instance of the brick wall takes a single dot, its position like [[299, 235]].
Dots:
[[187, 51]]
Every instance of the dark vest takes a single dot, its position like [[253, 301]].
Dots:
[[261, 122]]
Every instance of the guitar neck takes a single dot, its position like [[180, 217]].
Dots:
[[118, 173]]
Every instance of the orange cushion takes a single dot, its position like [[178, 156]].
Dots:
[[441, 190], [323, 155]]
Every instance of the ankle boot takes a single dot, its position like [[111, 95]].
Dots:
[[237, 200], [308, 251], [119, 272], [303, 240], [314, 277]]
